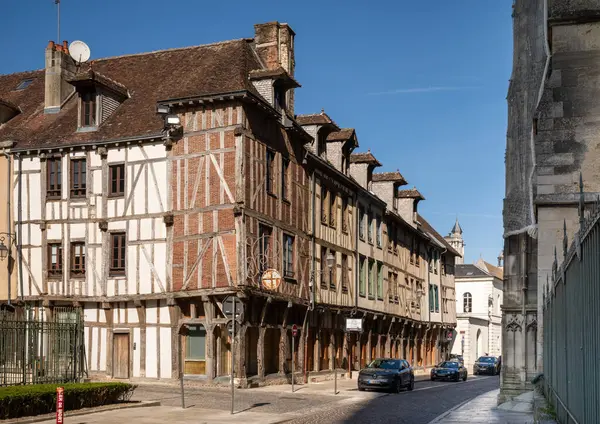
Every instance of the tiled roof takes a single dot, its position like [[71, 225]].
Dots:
[[494, 270], [315, 119], [341, 135], [90, 75], [426, 226], [468, 270], [364, 158], [389, 176], [410, 193], [271, 73], [149, 77]]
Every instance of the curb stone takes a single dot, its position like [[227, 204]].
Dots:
[[449, 411], [83, 411]]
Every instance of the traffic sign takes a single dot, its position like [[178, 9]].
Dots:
[[294, 330]]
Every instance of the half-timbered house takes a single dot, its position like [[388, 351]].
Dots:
[[150, 187]]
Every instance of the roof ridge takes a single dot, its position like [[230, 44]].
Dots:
[[23, 72], [171, 50]]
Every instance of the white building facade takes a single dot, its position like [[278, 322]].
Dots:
[[478, 313]]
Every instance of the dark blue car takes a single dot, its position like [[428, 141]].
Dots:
[[449, 370]]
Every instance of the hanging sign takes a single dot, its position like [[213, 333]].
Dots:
[[271, 279]]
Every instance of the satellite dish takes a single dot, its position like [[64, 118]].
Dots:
[[79, 51]]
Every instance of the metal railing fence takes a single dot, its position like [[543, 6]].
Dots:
[[36, 350], [572, 325]]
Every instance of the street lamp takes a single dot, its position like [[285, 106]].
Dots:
[[5, 253], [330, 260], [3, 249]]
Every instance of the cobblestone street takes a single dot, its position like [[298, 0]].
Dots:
[[315, 403]]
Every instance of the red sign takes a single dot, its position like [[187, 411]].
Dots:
[[449, 335], [60, 401], [294, 330]]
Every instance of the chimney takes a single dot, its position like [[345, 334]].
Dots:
[[59, 67], [275, 45]]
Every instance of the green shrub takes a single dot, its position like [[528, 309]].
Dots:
[[20, 401]]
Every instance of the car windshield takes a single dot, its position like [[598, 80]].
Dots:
[[388, 364], [487, 359], [449, 364]]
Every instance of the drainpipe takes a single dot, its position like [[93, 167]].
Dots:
[[20, 232], [356, 277], [357, 264], [311, 276], [8, 222]]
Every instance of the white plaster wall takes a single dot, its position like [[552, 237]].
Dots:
[[95, 341], [165, 352], [103, 335], [151, 345], [136, 352], [35, 202]]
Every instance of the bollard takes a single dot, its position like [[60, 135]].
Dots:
[[60, 405]]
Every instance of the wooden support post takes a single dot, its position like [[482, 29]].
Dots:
[[176, 354], [260, 354], [240, 352], [283, 342], [369, 350], [317, 350], [141, 311], [108, 312], [358, 362], [332, 349], [209, 312]]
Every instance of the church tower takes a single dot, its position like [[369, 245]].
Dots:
[[456, 241]]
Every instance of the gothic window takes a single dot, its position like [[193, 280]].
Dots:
[[467, 302]]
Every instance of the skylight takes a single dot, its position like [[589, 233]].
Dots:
[[24, 84]]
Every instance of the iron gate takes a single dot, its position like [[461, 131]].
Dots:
[[35, 349], [572, 325]]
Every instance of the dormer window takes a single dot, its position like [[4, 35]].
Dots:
[[322, 145], [99, 97], [88, 109], [279, 93]]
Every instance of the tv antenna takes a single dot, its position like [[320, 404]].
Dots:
[[79, 51], [57, 3]]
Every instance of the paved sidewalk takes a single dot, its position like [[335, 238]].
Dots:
[[484, 409], [169, 414]]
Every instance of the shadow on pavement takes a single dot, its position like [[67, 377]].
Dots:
[[256, 405]]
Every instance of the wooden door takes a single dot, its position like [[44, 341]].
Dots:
[[121, 355]]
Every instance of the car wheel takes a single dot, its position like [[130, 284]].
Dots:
[[398, 387], [465, 377], [475, 373], [411, 385], [432, 378], [457, 378], [361, 389]]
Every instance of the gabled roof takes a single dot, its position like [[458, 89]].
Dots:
[[389, 176], [493, 270], [364, 158], [428, 228], [90, 76], [205, 70], [316, 119], [279, 73], [411, 193], [341, 135]]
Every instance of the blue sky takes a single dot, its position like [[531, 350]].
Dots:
[[423, 82]]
